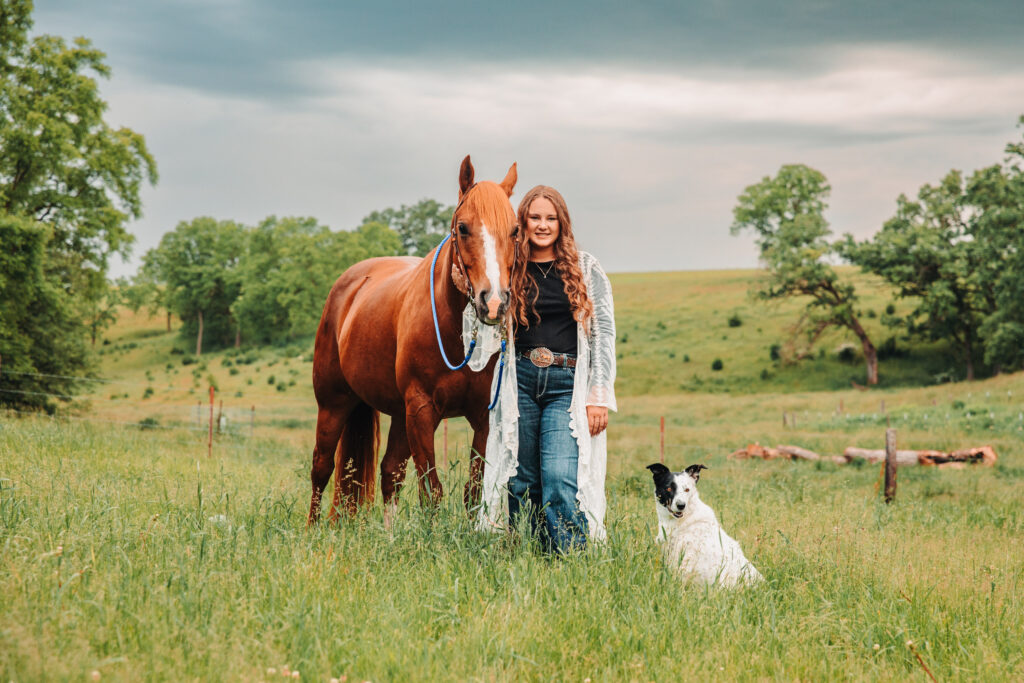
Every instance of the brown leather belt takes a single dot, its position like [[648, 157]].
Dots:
[[542, 358]]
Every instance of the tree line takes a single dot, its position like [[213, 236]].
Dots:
[[955, 251], [231, 284]]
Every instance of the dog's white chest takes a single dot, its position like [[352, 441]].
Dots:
[[698, 549]]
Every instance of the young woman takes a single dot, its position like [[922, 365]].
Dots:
[[549, 450]]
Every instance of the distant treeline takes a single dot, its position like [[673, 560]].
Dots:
[[232, 284]]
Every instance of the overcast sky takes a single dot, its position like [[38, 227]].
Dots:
[[650, 117]]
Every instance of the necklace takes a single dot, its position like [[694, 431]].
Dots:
[[547, 272]]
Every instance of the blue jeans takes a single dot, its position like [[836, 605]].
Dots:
[[545, 483]]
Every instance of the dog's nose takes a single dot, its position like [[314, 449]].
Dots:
[[680, 506]]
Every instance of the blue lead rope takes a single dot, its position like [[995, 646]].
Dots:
[[501, 369], [433, 309], [472, 342]]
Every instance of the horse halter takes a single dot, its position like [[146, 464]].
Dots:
[[458, 252], [469, 285]]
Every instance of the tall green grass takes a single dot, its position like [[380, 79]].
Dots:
[[132, 554]]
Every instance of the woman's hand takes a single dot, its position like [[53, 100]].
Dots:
[[597, 417]]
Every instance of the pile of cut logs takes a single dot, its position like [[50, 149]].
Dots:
[[983, 455]]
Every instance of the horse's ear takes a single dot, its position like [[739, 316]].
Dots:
[[509, 183], [466, 174]]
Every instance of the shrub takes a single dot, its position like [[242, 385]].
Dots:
[[147, 393], [846, 353], [890, 309], [226, 362], [271, 380], [889, 349], [735, 320], [765, 375], [149, 423], [686, 358], [233, 371], [188, 360], [281, 386], [775, 352], [717, 364]]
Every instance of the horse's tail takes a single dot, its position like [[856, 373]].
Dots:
[[356, 472]]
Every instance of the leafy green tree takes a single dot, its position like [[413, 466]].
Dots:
[[198, 265], [61, 163], [996, 195], [786, 214], [290, 266], [41, 338], [420, 226], [927, 252], [70, 180]]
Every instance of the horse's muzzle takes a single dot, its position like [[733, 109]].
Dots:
[[491, 309]]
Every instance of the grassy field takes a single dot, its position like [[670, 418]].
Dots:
[[127, 551]]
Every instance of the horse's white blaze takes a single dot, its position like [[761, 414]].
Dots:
[[492, 271]]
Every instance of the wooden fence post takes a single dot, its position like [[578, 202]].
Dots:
[[662, 439], [890, 465], [209, 442]]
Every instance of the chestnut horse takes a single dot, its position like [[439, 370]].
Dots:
[[377, 352]]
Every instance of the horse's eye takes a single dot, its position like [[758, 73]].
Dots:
[[463, 229], [515, 232]]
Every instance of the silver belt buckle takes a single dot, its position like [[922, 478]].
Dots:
[[541, 357]]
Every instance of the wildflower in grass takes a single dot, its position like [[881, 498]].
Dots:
[[271, 671], [295, 674], [95, 675], [285, 671], [876, 647]]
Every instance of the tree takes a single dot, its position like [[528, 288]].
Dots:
[[420, 226], [786, 214], [290, 266], [996, 195], [198, 265], [69, 183], [41, 340], [61, 163], [928, 252]]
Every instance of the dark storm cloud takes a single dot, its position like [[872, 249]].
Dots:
[[251, 48]]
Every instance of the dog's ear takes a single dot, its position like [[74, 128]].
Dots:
[[658, 469], [694, 471]]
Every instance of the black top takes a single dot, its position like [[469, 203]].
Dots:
[[557, 328]]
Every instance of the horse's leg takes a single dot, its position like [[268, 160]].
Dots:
[[471, 494], [330, 420], [392, 465], [421, 420]]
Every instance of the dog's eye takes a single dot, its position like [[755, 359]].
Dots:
[[686, 490]]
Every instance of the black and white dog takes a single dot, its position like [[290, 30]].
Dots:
[[695, 545]]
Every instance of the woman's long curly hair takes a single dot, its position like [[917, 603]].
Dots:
[[567, 262]]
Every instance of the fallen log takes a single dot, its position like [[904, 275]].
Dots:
[[797, 453], [903, 458], [982, 455]]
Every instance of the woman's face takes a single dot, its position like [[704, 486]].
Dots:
[[541, 224]]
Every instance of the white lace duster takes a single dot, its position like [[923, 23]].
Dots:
[[594, 385]]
